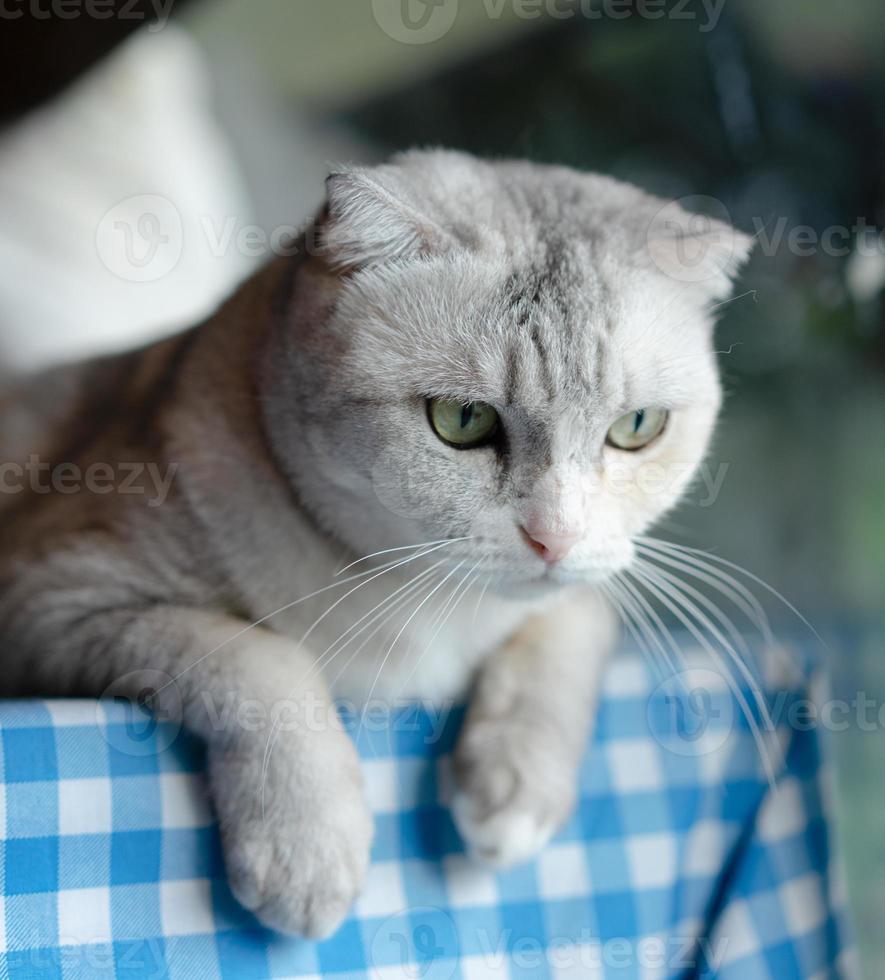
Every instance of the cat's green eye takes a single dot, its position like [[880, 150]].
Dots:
[[636, 430], [463, 426]]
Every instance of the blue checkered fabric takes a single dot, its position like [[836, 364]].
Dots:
[[681, 860]]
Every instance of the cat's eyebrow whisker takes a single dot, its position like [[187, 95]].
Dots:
[[684, 609], [403, 547]]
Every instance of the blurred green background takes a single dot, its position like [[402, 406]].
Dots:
[[777, 110]]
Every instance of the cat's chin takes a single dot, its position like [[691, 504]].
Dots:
[[542, 586]]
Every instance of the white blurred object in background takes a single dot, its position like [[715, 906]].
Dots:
[[114, 199]]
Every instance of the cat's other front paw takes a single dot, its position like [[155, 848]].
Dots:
[[513, 790], [302, 882], [299, 863]]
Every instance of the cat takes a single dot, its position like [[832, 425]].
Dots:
[[450, 391]]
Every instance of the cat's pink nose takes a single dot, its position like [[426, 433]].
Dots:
[[550, 546]]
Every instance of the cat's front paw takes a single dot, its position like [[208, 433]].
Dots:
[[299, 865], [514, 789], [302, 881]]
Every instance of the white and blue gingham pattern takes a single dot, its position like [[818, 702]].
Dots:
[[681, 860]]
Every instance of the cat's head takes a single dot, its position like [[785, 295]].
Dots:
[[513, 354]]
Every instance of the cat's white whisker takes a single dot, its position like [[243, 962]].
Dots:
[[371, 578], [630, 622], [703, 600], [482, 596], [403, 547], [388, 615], [754, 578], [388, 606], [443, 610], [387, 566], [650, 621], [684, 609], [379, 610], [460, 590], [403, 628], [727, 585]]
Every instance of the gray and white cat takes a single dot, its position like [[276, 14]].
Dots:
[[467, 380]]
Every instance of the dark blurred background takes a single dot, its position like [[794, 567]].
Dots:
[[776, 110]]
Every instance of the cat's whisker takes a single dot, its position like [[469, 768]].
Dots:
[[653, 626], [684, 610], [444, 607], [631, 622], [460, 590], [404, 547], [379, 609], [673, 588], [727, 585], [398, 564], [754, 578], [711, 309], [388, 607], [405, 625], [276, 612], [482, 596], [369, 575], [724, 621], [385, 620]]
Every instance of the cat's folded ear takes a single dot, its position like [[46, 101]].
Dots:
[[697, 249], [371, 217]]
